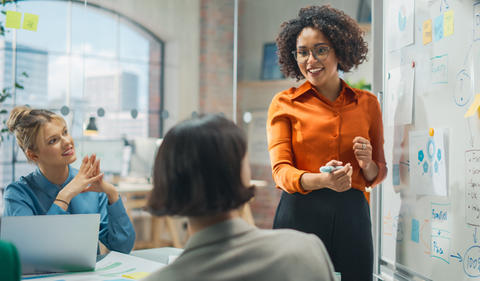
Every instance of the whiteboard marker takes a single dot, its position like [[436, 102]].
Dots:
[[329, 169]]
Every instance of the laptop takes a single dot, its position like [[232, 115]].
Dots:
[[53, 243]]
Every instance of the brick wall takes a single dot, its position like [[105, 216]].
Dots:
[[215, 91], [154, 91], [216, 56], [266, 198]]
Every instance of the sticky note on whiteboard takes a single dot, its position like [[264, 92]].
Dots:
[[448, 23], [427, 32], [474, 107], [30, 22], [415, 231], [396, 174], [13, 19], [438, 28]]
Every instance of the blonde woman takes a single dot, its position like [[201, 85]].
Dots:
[[56, 188]]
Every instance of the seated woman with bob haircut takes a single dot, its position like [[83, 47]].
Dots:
[[56, 188], [202, 172]]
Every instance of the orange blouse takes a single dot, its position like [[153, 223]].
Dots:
[[305, 130]]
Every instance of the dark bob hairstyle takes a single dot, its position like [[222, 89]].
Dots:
[[197, 169], [342, 31]]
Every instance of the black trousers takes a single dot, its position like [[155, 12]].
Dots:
[[341, 220]]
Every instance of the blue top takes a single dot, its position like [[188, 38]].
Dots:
[[34, 195]]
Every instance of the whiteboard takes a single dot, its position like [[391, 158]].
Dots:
[[430, 214]]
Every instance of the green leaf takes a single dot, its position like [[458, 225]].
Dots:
[[18, 86], [3, 98], [3, 111], [24, 74]]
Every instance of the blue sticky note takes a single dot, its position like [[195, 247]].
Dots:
[[396, 174], [415, 231], [438, 28]]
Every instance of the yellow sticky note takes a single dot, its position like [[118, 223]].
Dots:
[[136, 275], [427, 32], [13, 19], [474, 107], [30, 22], [448, 20]]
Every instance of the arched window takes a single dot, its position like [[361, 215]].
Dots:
[[87, 61]]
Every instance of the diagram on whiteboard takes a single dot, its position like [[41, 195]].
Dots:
[[472, 186], [399, 101], [427, 165], [401, 23]]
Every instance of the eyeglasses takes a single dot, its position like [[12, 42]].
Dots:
[[318, 52]]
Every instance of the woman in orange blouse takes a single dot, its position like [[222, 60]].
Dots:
[[324, 122]]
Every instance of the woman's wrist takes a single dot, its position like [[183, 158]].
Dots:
[[368, 166], [312, 181], [65, 195], [62, 203], [370, 171], [111, 192]]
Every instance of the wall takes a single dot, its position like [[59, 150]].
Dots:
[[177, 23], [216, 56], [259, 23], [199, 58]]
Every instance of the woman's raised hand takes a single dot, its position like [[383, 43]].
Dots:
[[102, 186], [87, 175], [339, 180], [363, 151]]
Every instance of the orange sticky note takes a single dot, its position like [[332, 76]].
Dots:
[[427, 32], [136, 275], [474, 107], [30, 22], [13, 19], [448, 23]]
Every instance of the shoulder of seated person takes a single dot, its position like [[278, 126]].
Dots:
[[289, 232], [17, 186]]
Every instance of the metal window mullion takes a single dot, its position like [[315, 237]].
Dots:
[[235, 43]]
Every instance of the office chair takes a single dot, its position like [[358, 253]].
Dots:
[[10, 269]]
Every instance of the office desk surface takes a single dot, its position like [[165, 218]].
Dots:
[[126, 187], [157, 254]]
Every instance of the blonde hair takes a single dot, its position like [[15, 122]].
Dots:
[[25, 123]]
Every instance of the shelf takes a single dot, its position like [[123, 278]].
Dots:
[[285, 83]]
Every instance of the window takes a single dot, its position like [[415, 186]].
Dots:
[[86, 58]]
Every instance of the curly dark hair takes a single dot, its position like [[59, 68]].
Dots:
[[342, 31]]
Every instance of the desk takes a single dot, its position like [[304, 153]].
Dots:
[[157, 254], [135, 196]]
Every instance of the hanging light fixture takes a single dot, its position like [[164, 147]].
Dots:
[[91, 129]]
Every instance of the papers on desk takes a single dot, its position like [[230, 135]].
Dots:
[[114, 267], [171, 259]]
